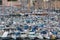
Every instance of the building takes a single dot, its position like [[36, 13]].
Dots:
[[47, 4], [15, 2], [28, 3], [10, 2]]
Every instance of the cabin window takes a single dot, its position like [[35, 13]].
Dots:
[[12, 0], [0, 2]]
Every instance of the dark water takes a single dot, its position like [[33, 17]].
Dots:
[[25, 39]]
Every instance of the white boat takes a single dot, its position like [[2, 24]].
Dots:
[[5, 34]]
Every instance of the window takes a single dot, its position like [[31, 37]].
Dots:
[[12, 0], [58, 0], [0, 2], [52, 0]]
